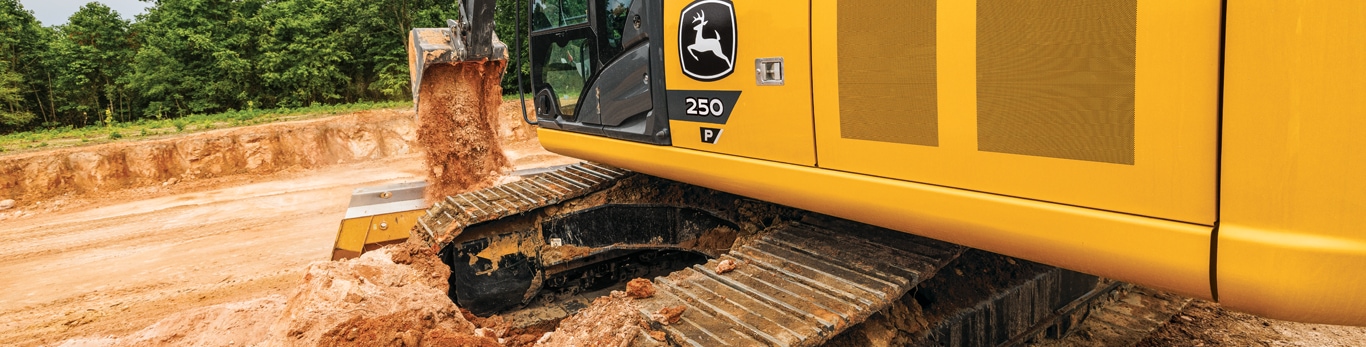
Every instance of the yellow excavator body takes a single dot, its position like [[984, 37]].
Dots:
[[1186, 145], [1204, 147]]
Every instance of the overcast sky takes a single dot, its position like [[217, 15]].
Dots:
[[55, 12]]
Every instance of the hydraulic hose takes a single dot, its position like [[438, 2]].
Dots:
[[518, 33]]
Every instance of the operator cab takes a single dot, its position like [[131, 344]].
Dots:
[[591, 69]]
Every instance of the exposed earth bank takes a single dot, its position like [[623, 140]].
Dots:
[[32, 177]]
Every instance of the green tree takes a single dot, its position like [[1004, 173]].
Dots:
[[506, 25], [12, 113], [24, 95], [90, 55], [195, 56]]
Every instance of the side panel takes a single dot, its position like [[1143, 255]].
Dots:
[[765, 122], [1292, 236], [1110, 105]]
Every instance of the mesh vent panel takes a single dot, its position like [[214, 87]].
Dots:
[[1056, 78], [887, 71]]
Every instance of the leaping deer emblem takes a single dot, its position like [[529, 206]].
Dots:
[[702, 44]]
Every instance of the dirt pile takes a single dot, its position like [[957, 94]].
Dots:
[[613, 320], [369, 135], [219, 325], [458, 113], [395, 296]]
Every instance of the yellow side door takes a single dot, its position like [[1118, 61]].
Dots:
[[1110, 105]]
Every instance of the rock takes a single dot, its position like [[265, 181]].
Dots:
[[725, 266], [6, 204], [640, 288], [669, 314], [485, 332]]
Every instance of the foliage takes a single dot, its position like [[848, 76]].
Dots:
[[189, 57], [22, 43], [88, 54], [505, 23]]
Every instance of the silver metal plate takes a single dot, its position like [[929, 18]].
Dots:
[[390, 198]]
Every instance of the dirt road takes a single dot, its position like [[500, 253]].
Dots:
[[113, 267]]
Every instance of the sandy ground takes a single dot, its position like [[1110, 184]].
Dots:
[[117, 265], [1204, 323]]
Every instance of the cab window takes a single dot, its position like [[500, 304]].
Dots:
[[566, 71], [551, 14]]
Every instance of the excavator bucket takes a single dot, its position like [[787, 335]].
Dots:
[[470, 39], [379, 216]]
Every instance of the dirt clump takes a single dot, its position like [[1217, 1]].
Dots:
[[371, 296], [457, 111], [640, 288], [725, 266], [669, 314]]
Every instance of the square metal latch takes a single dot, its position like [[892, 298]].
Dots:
[[768, 71]]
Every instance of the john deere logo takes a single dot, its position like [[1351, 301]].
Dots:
[[706, 39]]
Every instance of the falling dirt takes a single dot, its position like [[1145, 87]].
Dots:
[[458, 117]]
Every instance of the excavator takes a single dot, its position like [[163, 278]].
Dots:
[[844, 152]]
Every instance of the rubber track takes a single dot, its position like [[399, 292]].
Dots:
[[797, 286], [447, 218]]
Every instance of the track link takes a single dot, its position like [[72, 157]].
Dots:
[[447, 218], [797, 286]]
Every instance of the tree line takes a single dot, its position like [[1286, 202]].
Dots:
[[203, 56]]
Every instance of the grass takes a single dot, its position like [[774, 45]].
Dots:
[[69, 135]]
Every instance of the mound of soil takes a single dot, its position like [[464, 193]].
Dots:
[[219, 325], [458, 116], [613, 320], [395, 296]]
